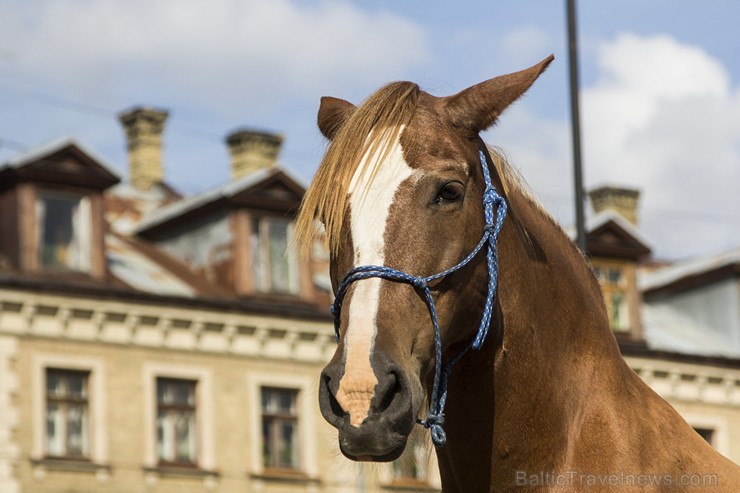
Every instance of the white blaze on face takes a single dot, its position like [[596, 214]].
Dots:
[[371, 198]]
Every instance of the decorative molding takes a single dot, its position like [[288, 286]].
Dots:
[[689, 382], [210, 479], [102, 472], [182, 329], [9, 450]]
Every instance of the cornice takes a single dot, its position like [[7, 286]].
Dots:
[[154, 326]]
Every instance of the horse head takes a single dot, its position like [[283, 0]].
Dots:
[[402, 187]]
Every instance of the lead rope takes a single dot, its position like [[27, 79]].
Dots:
[[494, 221]]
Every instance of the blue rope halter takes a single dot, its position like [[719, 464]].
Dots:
[[491, 199]]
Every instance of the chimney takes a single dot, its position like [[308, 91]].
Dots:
[[623, 201], [143, 127], [252, 150]]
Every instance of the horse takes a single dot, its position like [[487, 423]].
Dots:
[[423, 222]]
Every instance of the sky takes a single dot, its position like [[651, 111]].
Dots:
[[660, 88]]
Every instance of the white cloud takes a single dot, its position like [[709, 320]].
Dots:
[[539, 149], [228, 53], [663, 117]]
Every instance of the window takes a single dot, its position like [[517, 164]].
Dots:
[[176, 429], [613, 286], [275, 268], [411, 467], [707, 434], [63, 232], [279, 428], [67, 414]]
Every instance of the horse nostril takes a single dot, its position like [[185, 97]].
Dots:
[[328, 404], [334, 405], [391, 391]]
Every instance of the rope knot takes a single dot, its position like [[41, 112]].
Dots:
[[439, 437], [489, 228], [489, 195], [333, 310], [434, 422], [419, 282]]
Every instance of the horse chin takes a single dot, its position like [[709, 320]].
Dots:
[[372, 448], [391, 456], [376, 439]]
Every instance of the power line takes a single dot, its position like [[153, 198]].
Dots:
[[60, 102], [209, 136], [13, 144], [671, 213]]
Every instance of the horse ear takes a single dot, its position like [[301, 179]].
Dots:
[[477, 107], [333, 112]]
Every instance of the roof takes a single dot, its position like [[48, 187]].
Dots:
[[40, 152], [609, 234], [603, 218], [229, 190], [668, 324], [106, 291], [125, 205], [138, 270], [666, 329], [698, 269], [142, 273]]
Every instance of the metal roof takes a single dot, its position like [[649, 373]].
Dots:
[[227, 190], [142, 273], [668, 330], [679, 270]]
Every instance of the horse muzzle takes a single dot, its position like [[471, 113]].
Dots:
[[379, 434]]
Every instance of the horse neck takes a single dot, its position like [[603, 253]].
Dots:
[[557, 342], [554, 347]]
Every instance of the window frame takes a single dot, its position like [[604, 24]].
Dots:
[[276, 420], [84, 232], [308, 430], [717, 423], [204, 416], [65, 403], [177, 409], [97, 433], [609, 288], [261, 269]]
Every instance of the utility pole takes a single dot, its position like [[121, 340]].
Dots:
[[576, 124]]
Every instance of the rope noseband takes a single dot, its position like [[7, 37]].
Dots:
[[491, 230]]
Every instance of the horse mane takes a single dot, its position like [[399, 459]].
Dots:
[[370, 128]]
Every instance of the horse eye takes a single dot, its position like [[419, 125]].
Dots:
[[450, 192]]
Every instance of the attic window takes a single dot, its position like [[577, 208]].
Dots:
[[614, 287], [275, 268], [63, 232]]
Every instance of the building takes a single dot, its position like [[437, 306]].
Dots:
[[160, 343], [678, 325], [150, 342]]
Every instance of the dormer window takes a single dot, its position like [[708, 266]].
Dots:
[[64, 239], [614, 286], [275, 267]]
